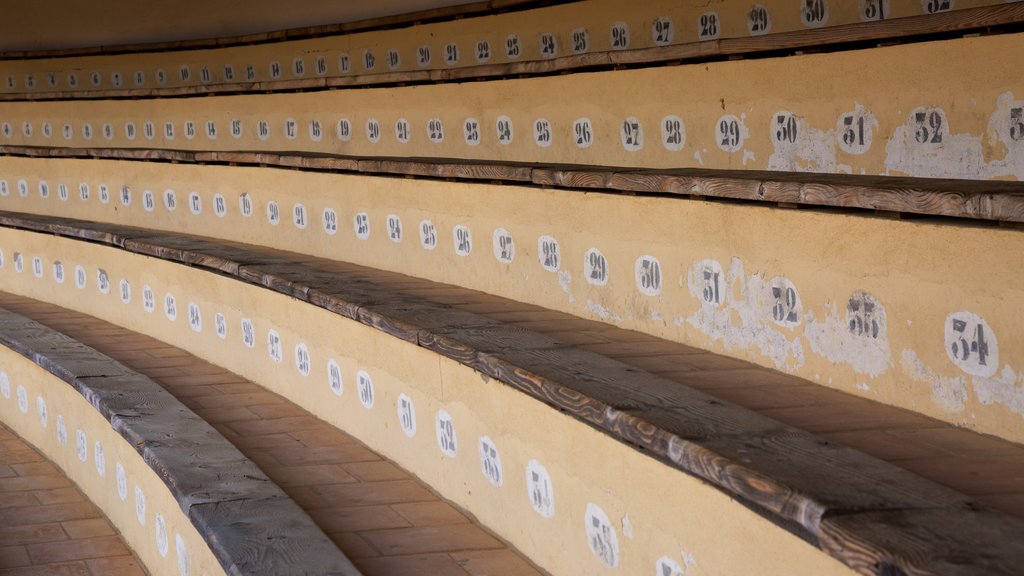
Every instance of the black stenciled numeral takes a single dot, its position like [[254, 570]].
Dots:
[[673, 132], [963, 348], [631, 130], [874, 10], [786, 128], [929, 127], [814, 11], [784, 307], [512, 49], [934, 6], [547, 45], [758, 19], [620, 37], [1017, 124], [711, 287], [543, 131], [580, 41], [598, 266], [662, 31], [729, 131], [853, 130], [863, 320], [583, 133]]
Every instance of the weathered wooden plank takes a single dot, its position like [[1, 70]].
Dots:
[[952, 541]]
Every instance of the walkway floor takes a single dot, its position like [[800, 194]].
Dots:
[[383, 519], [47, 526]]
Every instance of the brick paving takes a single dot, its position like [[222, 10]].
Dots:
[[386, 521], [47, 526]]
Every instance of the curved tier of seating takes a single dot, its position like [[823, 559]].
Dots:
[[165, 478], [568, 36], [874, 322], [416, 361], [696, 116]]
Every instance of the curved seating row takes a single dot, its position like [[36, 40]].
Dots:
[[875, 322], [693, 116], [577, 35], [872, 516], [194, 493], [379, 515]]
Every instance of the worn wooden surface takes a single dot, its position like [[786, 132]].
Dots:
[[871, 515], [249, 523], [997, 201]]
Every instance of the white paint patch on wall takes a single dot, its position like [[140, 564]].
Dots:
[[1007, 126], [744, 314], [926, 146], [948, 392], [858, 338], [799, 147], [1007, 389]]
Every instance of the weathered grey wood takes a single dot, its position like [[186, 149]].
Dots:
[[249, 523], [954, 542]]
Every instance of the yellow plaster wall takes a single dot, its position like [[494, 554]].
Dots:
[[51, 403], [906, 117], [656, 513], [575, 28], [877, 301]]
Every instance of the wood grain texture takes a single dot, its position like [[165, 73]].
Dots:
[[847, 502], [249, 523], [953, 541]]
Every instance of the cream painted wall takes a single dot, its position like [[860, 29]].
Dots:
[[870, 306], [645, 512]]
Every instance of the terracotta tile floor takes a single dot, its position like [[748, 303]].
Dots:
[[386, 521], [47, 527]]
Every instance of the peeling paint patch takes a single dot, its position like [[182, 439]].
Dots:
[[603, 313], [948, 392], [858, 338], [741, 311], [1007, 389], [799, 147], [924, 146], [565, 281], [1006, 126]]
